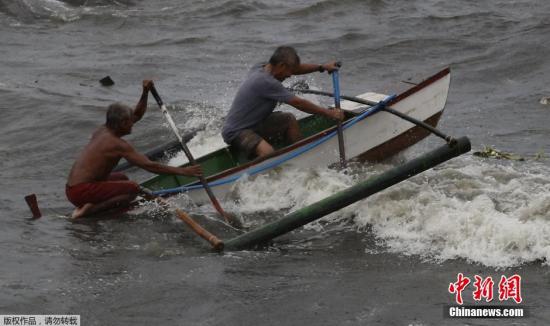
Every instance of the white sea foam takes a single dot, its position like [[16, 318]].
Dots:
[[481, 211], [203, 143], [28, 11], [53, 9], [288, 189], [485, 211]]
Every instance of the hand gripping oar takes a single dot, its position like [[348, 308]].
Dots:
[[228, 218], [336, 86], [450, 140]]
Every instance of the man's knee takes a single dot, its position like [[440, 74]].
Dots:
[[264, 148], [293, 133], [289, 116], [134, 188], [128, 188], [290, 120]]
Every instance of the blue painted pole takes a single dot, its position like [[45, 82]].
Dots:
[[341, 145]]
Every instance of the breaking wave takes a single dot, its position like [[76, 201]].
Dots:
[[493, 214], [32, 11], [486, 211], [496, 215], [28, 11]]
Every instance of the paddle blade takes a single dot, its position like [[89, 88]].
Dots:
[[233, 220], [33, 205]]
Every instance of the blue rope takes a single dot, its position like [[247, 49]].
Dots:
[[260, 168]]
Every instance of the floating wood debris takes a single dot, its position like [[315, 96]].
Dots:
[[489, 152]]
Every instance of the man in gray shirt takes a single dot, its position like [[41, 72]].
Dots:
[[251, 122]]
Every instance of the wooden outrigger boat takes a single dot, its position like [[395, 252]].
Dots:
[[369, 135]]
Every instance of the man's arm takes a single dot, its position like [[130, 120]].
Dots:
[[307, 68], [138, 159], [141, 106], [311, 108]]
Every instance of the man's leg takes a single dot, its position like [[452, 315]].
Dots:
[[279, 126], [293, 133], [250, 143], [117, 201], [94, 197], [263, 148]]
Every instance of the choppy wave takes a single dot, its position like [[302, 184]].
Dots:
[[493, 214], [329, 6], [208, 120], [28, 11], [231, 8], [479, 210], [485, 213], [31, 11]]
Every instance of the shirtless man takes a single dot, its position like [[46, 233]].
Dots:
[[91, 186]]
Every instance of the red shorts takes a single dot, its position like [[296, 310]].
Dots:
[[98, 192]]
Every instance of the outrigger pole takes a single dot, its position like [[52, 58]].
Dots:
[[412, 120], [349, 196], [228, 218]]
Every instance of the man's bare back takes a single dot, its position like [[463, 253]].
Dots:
[[90, 186], [98, 158]]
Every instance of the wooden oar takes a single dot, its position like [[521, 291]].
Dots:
[[214, 241], [161, 151], [228, 218], [341, 145], [450, 140]]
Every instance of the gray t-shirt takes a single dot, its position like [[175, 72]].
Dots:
[[255, 100]]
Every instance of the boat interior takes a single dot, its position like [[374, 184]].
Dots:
[[229, 157]]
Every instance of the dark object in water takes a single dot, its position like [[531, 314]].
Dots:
[[107, 81], [33, 205]]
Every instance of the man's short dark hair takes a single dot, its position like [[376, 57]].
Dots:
[[286, 55], [116, 114]]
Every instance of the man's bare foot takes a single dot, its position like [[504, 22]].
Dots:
[[82, 211]]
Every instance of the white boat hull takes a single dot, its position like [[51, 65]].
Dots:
[[369, 139]]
